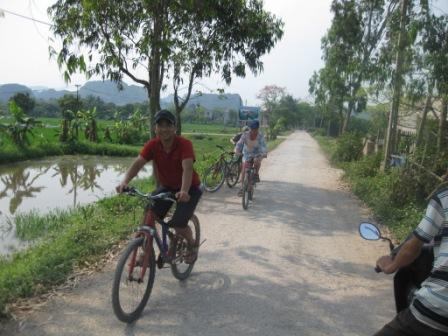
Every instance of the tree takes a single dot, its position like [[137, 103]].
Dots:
[[329, 91], [164, 38], [24, 101], [229, 37], [270, 95], [20, 127], [435, 43], [90, 126], [350, 52], [68, 106], [391, 138]]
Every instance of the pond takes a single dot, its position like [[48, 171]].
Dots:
[[55, 183]]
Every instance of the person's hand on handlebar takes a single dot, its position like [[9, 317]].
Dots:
[[384, 262], [120, 188], [182, 196]]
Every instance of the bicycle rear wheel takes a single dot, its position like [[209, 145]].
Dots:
[[233, 173], [130, 293], [179, 268], [245, 198], [214, 177]]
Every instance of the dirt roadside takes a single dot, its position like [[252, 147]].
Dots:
[[292, 264]]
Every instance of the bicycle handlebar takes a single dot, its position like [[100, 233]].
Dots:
[[224, 150], [166, 196]]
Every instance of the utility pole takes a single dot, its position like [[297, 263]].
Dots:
[[393, 115], [77, 97]]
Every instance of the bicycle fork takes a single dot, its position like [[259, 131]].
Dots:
[[146, 233]]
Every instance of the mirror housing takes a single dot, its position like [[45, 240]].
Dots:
[[369, 231]]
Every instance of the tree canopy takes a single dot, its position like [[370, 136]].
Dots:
[[154, 40]]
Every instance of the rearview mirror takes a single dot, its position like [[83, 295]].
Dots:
[[369, 231]]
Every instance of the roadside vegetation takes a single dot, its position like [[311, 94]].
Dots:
[[398, 196], [382, 102], [63, 241]]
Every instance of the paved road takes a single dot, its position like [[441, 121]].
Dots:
[[292, 264]]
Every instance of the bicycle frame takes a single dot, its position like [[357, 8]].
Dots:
[[249, 171], [149, 233]]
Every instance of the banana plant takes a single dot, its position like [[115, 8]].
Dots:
[[21, 126]]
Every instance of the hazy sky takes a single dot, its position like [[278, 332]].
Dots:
[[24, 56]]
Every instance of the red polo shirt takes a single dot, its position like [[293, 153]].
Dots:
[[169, 165]]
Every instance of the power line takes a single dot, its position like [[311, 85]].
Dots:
[[34, 22], [25, 17]]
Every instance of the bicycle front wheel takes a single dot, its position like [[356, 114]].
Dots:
[[130, 292], [233, 173], [214, 177], [179, 268]]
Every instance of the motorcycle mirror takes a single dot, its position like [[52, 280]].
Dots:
[[369, 231]]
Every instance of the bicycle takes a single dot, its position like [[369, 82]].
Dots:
[[223, 169], [249, 183], [135, 270]]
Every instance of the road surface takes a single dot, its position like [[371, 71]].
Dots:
[[292, 264]]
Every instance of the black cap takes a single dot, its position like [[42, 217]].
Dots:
[[165, 115]]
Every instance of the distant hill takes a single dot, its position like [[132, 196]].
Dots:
[[9, 90], [108, 92], [209, 101], [48, 94]]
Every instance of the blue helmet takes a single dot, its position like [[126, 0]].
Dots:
[[254, 124]]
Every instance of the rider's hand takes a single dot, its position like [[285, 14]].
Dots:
[[384, 262], [182, 196], [119, 188]]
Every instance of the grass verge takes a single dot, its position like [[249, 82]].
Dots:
[[64, 240], [378, 190], [82, 236]]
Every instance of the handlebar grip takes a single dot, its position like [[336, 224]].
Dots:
[[378, 269], [128, 189]]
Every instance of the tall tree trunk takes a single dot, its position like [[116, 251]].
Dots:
[[178, 122], [347, 116], [341, 121], [442, 132], [155, 64], [421, 127], [393, 115]]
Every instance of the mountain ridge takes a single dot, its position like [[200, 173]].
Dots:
[[109, 93]]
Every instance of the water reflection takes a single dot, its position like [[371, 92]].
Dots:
[[61, 182], [19, 184]]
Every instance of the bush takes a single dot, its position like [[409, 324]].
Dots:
[[348, 148], [367, 166], [320, 132]]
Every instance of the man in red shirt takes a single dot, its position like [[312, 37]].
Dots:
[[173, 158]]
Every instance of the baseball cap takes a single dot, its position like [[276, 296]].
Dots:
[[165, 115], [254, 124]]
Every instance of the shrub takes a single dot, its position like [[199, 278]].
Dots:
[[348, 148]]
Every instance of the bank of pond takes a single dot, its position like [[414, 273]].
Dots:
[[61, 212]]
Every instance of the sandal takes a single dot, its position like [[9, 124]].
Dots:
[[192, 254], [240, 193]]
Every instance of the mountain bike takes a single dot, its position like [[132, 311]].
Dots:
[[136, 268], [249, 183], [226, 168]]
